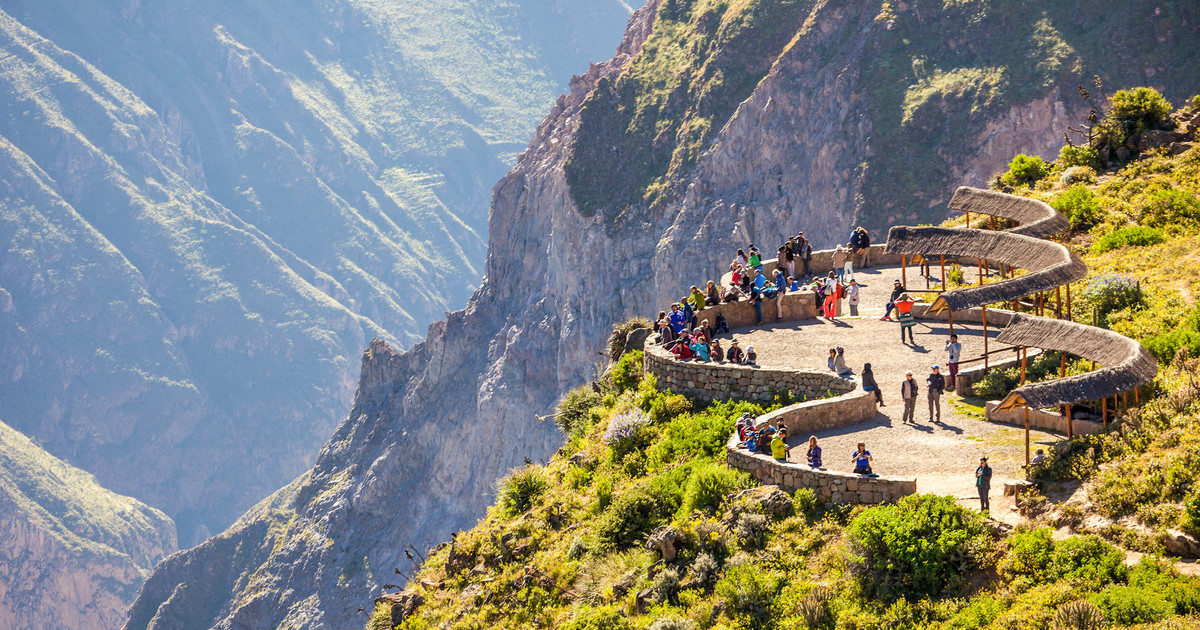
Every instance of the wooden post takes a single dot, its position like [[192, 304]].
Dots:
[[968, 218], [1070, 427], [1104, 412], [950, 317], [904, 270], [1040, 308], [1137, 397], [983, 311], [1024, 357], [1125, 395], [1058, 302], [1027, 438], [944, 285], [1068, 301], [980, 272], [992, 218]]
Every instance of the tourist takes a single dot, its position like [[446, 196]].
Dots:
[[713, 295], [677, 319], [806, 255], [696, 297], [869, 384], [897, 290], [715, 351], [831, 296], [756, 299], [789, 260], [741, 261], [908, 392], [1039, 458], [666, 334], [983, 481], [700, 348], [953, 349], [864, 243], [848, 271], [683, 349], [839, 363], [832, 360], [839, 261], [793, 284], [735, 354], [814, 453], [755, 259], [852, 297], [744, 425], [904, 313], [862, 460], [689, 314], [751, 356], [779, 447], [706, 331], [937, 385], [732, 294], [760, 279], [780, 289]]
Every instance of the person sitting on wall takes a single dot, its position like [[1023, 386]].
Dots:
[[689, 314], [744, 426], [751, 356], [839, 363], [831, 362], [700, 348], [666, 333], [814, 453], [732, 294], [715, 351], [735, 354], [697, 299], [793, 285], [764, 441], [741, 260], [683, 348], [705, 331], [779, 447], [755, 259], [897, 290], [712, 295], [862, 460], [869, 384]]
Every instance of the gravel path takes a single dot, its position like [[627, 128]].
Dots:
[[942, 456]]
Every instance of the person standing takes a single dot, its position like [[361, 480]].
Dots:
[[839, 261], [983, 482], [904, 312], [864, 242], [806, 255], [830, 292], [937, 385], [848, 270], [953, 349], [908, 391], [789, 260], [780, 290], [756, 298], [852, 297]]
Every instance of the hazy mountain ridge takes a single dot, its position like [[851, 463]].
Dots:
[[209, 208]]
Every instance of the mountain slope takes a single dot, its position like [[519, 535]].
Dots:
[[72, 554], [432, 428], [209, 208]]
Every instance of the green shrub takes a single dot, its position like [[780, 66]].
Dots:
[[805, 502], [751, 529], [1138, 109], [996, 384], [1030, 555], [1024, 169], [1080, 205], [1129, 605], [672, 623], [604, 492], [620, 334], [1172, 209], [574, 413], [978, 614], [627, 372], [1113, 292], [604, 618], [1191, 513], [1166, 345], [749, 593], [1079, 156], [699, 435], [923, 545], [627, 432], [708, 486], [1087, 558], [521, 489], [1132, 236], [630, 517]]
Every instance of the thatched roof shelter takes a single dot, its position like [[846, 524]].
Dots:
[[1034, 218], [1126, 363], [1049, 264]]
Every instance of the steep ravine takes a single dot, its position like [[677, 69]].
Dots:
[[432, 428]]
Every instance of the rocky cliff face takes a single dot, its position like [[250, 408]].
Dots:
[[72, 554], [432, 428], [207, 210]]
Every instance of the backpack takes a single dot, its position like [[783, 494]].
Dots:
[[722, 324]]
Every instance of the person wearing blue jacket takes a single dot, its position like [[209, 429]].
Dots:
[[677, 319]]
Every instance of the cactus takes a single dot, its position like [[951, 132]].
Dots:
[[814, 608], [1078, 615]]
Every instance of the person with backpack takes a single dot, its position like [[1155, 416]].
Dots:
[[983, 483], [864, 243], [904, 308], [937, 385], [908, 392], [722, 324]]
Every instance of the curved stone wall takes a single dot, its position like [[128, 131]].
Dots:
[[723, 381]]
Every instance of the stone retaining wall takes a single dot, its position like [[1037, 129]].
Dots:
[[806, 418], [830, 485], [796, 306], [724, 381], [822, 262]]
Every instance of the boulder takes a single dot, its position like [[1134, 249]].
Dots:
[[403, 604], [1181, 544], [1152, 138], [664, 540], [772, 499]]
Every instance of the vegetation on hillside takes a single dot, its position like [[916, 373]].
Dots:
[[566, 544]]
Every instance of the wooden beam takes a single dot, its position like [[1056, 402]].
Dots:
[[944, 285], [983, 311], [1026, 439], [904, 269], [1070, 426]]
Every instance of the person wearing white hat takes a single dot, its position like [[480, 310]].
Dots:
[[751, 356]]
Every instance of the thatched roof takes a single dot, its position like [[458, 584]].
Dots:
[[1049, 264], [1126, 363], [1034, 218]]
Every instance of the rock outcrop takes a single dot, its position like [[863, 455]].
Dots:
[[72, 554], [432, 428]]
